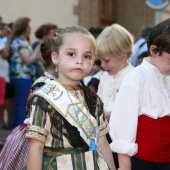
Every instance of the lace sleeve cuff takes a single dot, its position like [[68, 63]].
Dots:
[[104, 127], [38, 133]]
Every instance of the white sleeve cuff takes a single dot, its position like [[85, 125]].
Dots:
[[124, 148], [26, 120]]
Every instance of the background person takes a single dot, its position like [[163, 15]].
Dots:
[[114, 54], [114, 47], [140, 45], [15, 151], [22, 69], [4, 67]]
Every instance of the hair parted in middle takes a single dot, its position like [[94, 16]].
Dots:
[[115, 41], [58, 39]]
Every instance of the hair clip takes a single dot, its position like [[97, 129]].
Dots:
[[57, 32]]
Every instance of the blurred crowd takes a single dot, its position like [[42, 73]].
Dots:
[[20, 64]]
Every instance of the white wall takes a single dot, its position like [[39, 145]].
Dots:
[[59, 12]]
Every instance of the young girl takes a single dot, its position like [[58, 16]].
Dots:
[[140, 120], [15, 151], [67, 129]]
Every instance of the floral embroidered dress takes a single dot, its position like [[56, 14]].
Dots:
[[64, 133]]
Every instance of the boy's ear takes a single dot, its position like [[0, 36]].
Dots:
[[54, 57], [153, 50]]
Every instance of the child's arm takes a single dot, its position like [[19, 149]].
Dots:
[[124, 162], [107, 115], [106, 151], [35, 155]]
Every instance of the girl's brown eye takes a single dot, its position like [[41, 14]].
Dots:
[[88, 57], [71, 54]]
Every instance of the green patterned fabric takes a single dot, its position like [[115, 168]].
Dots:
[[64, 147]]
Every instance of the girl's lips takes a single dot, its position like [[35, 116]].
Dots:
[[78, 69]]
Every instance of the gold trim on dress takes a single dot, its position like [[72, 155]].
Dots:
[[37, 136], [104, 131], [103, 125], [37, 129], [37, 133]]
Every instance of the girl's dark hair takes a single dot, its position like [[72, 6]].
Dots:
[[86, 98], [160, 37], [45, 49]]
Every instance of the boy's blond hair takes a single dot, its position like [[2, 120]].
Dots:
[[114, 41]]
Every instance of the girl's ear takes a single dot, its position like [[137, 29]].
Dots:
[[153, 50], [54, 57]]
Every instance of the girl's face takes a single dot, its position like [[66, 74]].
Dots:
[[162, 62], [75, 58], [113, 64]]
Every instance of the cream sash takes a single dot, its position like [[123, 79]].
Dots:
[[44, 79], [71, 108]]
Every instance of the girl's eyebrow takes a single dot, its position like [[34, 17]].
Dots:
[[71, 49], [89, 52], [76, 50]]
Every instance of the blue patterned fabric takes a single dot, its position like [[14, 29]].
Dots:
[[18, 69]]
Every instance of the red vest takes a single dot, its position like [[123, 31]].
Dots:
[[153, 139]]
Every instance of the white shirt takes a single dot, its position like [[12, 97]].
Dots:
[[144, 91], [4, 66], [109, 86]]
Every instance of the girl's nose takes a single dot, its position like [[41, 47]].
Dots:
[[79, 60]]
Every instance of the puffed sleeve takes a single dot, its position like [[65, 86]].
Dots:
[[124, 119], [37, 125]]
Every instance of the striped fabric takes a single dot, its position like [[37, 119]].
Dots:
[[15, 151], [82, 161]]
